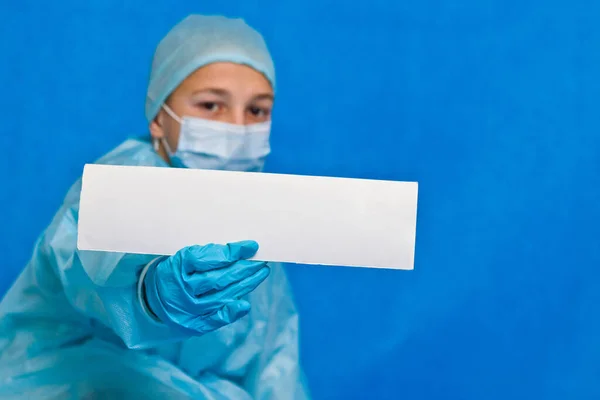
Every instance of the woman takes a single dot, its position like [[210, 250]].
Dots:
[[206, 323]]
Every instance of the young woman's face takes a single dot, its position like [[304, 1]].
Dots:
[[223, 92]]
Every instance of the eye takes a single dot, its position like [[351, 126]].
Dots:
[[259, 112], [210, 106]]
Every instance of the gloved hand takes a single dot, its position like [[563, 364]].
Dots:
[[200, 288]]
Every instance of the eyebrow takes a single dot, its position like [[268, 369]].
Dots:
[[218, 92], [225, 93], [264, 96]]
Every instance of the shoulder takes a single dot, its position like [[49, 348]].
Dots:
[[61, 234], [132, 152], [275, 293], [278, 279]]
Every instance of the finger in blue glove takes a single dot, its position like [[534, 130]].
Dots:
[[201, 287]]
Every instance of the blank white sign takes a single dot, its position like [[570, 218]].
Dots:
[[297, 219]]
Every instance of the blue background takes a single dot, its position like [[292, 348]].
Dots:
[[492, 105]]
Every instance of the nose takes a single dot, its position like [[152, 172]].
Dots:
[[237, 116]]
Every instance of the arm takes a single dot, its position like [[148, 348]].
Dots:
[[196, 291], [102, 286]]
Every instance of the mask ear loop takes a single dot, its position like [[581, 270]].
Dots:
[[156, 142], [172, 113], [167, 147]]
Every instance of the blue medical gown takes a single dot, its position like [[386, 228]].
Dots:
[[72, 327]]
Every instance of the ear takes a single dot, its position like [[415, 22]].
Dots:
[[157, 130]]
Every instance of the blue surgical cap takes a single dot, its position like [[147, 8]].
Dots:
[[200, 40]]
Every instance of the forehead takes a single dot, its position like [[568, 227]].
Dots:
[[234, 78]]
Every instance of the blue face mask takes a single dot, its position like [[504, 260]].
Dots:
[[205, 144]]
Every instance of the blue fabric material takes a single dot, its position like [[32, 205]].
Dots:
[[73, 325], [206, 144]]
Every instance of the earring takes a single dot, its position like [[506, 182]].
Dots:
[[156, 145]]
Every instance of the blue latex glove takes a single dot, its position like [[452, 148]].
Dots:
[[201, 287]]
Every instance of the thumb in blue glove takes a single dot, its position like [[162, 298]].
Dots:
[[201, 287]]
